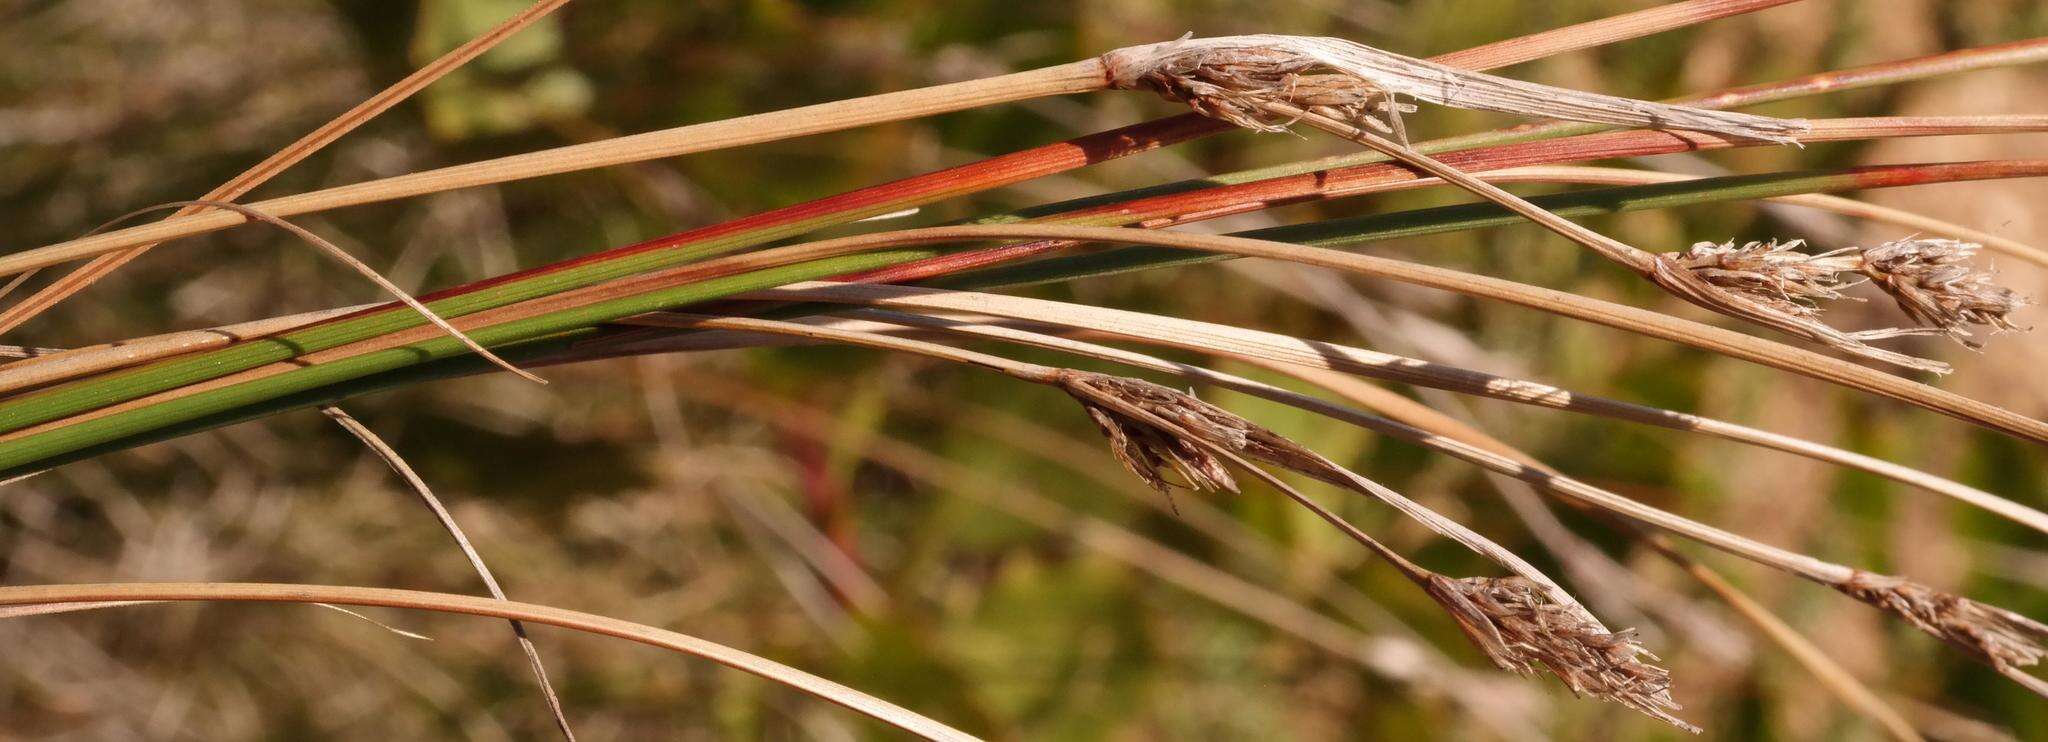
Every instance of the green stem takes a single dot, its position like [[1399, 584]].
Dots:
[[113, 388], [29, 449], [226, 404]]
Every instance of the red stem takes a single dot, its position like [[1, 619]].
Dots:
[[1209, 203], [993, 172]]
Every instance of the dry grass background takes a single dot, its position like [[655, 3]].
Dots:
[[635, 488]]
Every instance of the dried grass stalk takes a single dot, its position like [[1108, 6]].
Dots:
[[1260, 347], [1271, 82], [1232, 77], [880, 710], [1154, 429], [343, 257], [404, 470], [283, 159], [1098, 390]]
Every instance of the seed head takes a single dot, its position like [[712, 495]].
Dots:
[[1518, 626], [1773, 273], [1776, 285], [1231, 87], [1230, 77], [1513, 620], [2006, 640], [1148, 450], [1933, 282]]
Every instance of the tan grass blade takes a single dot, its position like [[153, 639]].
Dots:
[[1078, 77], [1653, 324], [1433, 674], [72, 363], [283, 159], [15, 283], [352, 614], [1152, 427], [398, 465], [2006, 640], [1259, 346], [341, 256], [51, 609], [878, 709], [1606, 31]]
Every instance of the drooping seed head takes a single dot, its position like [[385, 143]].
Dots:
[[1516, 624], [1233, 88], [1513, 620], [1148, 450], [1933, 281], [1670, 272], [2006, 640], [1773, 273]]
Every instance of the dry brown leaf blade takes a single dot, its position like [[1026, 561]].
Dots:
[[475, 605], [1091, 388], [279, 161], [418, 485], [343, 257]]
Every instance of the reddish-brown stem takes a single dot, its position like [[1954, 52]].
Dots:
[[1172, 209]]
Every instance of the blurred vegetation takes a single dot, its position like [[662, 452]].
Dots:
[[627, 488]]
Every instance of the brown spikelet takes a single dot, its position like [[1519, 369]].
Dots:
[[1517, 626], [1231, 87], [1934, 283], [1672, 274], [2004, 639], [1147, 451], [1775, 284], [1355, 83], [1773, 273], [1513, 620]]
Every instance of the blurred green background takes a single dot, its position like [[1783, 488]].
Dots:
[[854, 514]]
